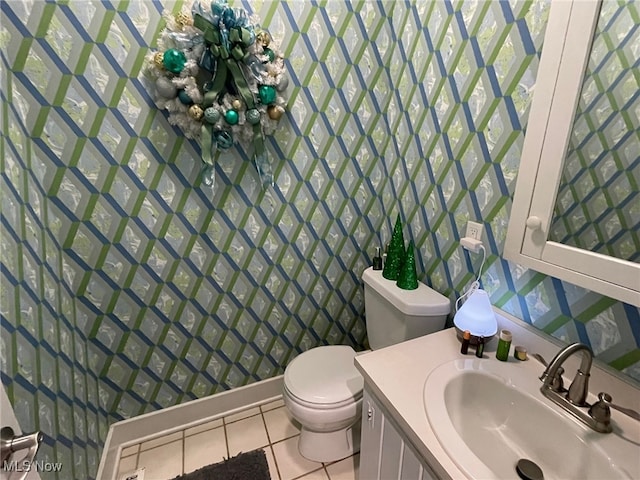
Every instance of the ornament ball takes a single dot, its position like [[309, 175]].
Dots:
[[267, 94], [253, 116], [231, 117], [275, 112], [211, 115], [184, 19], [157, 59], [184, 97], [174, 60], [283, 83], [269, 53], [196, 112], [237, 104], [165, 88], [265, 38]]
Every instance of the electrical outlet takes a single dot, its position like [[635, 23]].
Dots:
[[474, 230]]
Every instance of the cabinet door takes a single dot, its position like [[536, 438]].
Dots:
[[412, 468], [384, 452], [391, 452], [371, 439]]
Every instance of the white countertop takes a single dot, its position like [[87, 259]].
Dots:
[[396, 376]]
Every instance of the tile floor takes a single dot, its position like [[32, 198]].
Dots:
[[268, 426]]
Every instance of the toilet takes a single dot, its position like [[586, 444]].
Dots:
[[323, 388]]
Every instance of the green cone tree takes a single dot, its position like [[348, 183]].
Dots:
[[408, 278], [396, 253]]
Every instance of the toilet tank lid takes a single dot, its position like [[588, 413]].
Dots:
[[421, 301]]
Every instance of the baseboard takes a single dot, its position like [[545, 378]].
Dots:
[[179, 417]]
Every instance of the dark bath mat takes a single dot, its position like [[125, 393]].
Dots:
[[244, 466]]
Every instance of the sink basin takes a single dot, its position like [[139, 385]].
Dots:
[[487, 415]]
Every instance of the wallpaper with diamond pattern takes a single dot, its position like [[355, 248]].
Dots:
[[598, 205], [128, 287]]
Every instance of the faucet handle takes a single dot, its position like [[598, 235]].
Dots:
[[601, 412], [557, 384]]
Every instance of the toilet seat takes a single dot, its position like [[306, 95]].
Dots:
[[324, 377], [321, 406]]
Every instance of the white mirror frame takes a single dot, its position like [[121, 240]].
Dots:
[[565, 55]]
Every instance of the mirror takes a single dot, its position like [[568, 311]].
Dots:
[[598, 203], [553, 126]]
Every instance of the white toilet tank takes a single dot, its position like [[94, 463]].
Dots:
[[394, 315]]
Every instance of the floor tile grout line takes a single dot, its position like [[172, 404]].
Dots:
[[202, 431], [273, 455], [137, 458], [184, 453], [326, 464], [270, 444], [294, 423], [226, 438], [262, 409], [161, 443], [242, 418], [285, 439], [264, 422], [310, 471]]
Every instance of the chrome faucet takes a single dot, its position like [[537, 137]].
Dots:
[[596, 416], [576, 396], [577, 393]]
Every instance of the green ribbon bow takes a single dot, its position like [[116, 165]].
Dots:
[[228, 64]]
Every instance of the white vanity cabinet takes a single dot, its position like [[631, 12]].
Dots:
[[385, 453]]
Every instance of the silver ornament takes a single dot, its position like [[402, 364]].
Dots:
[[165, 88], [283, 83], [253, 116], [211, 115]]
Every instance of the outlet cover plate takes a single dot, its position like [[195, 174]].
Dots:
[[474, 230]]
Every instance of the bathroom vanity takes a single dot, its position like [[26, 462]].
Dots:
[[385, 452], [400, 440]]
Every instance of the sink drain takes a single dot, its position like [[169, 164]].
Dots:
[[528, 470]]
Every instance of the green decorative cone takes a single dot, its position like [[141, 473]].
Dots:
[[395, 255], [407, 278]]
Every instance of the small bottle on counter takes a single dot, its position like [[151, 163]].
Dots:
[[466, 338], [377, 260], [520, 353], [504, 344], [480, 347]]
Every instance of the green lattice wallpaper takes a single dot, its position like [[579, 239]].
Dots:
[[127, 287]]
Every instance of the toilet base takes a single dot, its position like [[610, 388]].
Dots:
[[329, 446]]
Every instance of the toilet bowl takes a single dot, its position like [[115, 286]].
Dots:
[[322, 387], [323, 392]]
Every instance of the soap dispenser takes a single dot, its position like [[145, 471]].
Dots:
[[377, 260]]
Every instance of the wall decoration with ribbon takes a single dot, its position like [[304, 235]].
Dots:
[[221, 78]]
